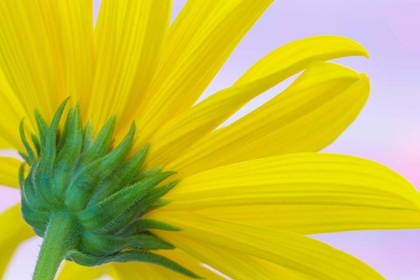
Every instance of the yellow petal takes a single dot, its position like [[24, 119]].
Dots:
[[25, 50], [295, 55], [306, 117], [12, 112], [292, 251], [281, 272], [188, 261], [9, 171], [246, 267], [189, 65], [4, 144], [344, 193], [187, 128], [127, 271], [129, 37], [141, 271], [13, 231], [311, 219], [46, 50], [73, 271], [69, 27]]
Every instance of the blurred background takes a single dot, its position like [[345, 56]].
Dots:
[[387, 130]]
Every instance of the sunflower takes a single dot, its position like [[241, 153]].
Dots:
[[124, 171]]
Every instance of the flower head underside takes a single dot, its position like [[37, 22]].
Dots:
[[122, 166]]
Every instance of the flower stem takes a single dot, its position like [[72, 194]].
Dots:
[[60, 237]]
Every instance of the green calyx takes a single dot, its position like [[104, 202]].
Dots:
[[102, 191]]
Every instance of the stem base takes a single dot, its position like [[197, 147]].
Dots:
[[60, 237]]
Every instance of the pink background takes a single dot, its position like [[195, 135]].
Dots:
[[387, 131]]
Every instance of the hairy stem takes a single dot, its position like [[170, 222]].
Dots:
[[59, 238]]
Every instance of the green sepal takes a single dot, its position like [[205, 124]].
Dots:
[[42, 126], [126, 172], [88, 134], [62, 135], [144, 224], [156, 205], [151, 200], [33, 217], [30, 157], [148, 203], [44, 168], [130, 256], [99, 146], [98, 244], [143, 205], [147, 173], [24, 156], [39, 232], [96, 217], [27, 190], [52, 131], [30, 204], [87, 180], [67, 158], [37, 144]]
